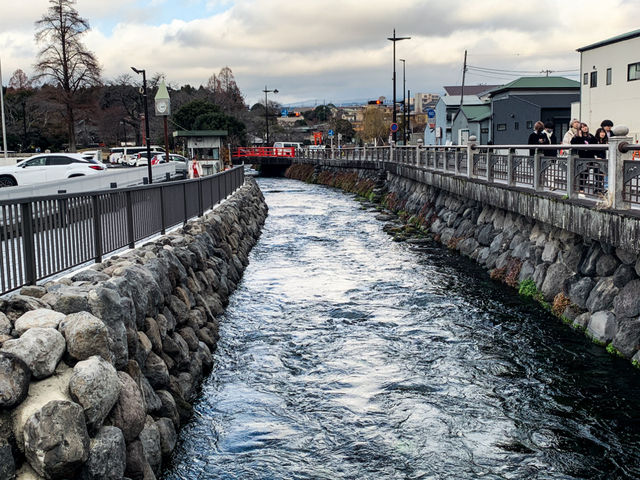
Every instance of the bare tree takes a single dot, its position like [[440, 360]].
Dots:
[[64, 59], [225, 91]]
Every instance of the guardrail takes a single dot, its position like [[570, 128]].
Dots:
[[248, 152], [589, 172], [44, 236]]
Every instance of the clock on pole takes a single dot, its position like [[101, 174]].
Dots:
[[163, 109]]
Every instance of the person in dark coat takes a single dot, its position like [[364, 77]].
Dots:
[[538, 137], [548, 131], [584, 138]]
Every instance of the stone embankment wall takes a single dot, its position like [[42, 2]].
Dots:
[[97, 371], [589, 284]]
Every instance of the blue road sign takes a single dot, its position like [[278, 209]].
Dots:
[[394, 127], [330, 133], [284, 112], [431, 113]]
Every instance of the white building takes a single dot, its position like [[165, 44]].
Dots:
[[610, 82]]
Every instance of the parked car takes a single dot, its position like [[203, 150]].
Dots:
[[48, 167], [92, 155], [181, 163], [129, 155], [141, 158]]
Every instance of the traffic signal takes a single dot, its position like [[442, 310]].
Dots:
[[375, 102]]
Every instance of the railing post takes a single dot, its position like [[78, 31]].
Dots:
[[470, 149], [490, 167], [616, 167], [511, 178], [184, 201], [571, 175], [130, 235], [200, 199], [28, 244], [97, 229], [536, 171]]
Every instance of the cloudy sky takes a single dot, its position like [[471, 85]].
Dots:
[[316, 51]]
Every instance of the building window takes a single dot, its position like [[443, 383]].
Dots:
[[529, 124], [609, 76], [585, 79], [501, 127], [594, 79], [516, 126], [633, 71]]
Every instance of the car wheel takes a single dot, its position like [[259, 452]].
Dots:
[[6, 181]]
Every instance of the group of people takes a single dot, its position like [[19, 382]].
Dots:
[[578, 134]]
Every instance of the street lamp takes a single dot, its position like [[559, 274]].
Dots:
[[404, 101], [266, 109], [146, 118], [395, 39]]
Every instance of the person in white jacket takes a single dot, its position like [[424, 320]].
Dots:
[[572, 132]]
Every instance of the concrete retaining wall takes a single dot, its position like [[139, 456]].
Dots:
[[98, 371]]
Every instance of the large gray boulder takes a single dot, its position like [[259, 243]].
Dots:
[[579, 291], [56, 442], [14, 380], [627, 339], [41, 317], [96, 387], [67, 298], [168, 409], [40, 348], [107, 305], [107, 456], [602, 295], [7, 463], [623, 275], [554, 280], [156, 371], [602, 326], [606, 265], [150, 438], [138, 467], [627, 257], [5, 325], [86, 336], [168, 436], [627, 303], [589, 262], [128, 414]]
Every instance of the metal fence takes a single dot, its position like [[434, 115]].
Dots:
[[43, 236]]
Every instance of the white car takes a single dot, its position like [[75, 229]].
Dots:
[[48, 167]]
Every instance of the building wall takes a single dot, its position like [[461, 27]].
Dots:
[[620, 101], [441, 121]]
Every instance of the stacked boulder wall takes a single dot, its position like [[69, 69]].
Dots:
[[588, 284], [99, 370]]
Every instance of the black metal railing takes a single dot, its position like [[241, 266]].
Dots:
[[44, 236]]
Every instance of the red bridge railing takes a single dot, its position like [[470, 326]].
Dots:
[[243, 152]]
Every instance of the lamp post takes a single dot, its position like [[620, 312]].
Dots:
[[266, 109], [146, 119], [395, 39], [404, 101]]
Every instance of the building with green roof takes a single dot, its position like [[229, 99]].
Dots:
[[518, 105]]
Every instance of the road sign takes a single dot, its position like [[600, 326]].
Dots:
[[394, 127], [330, 133], [431, 113], [284, 112]]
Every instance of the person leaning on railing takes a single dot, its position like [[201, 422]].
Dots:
[[602, 138], [538, 137], [583, 137]]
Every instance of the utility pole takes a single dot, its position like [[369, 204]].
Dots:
[[395, 39], [4, 128], [464, 71], [406, 141], [404, 101]]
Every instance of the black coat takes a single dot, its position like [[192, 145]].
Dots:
[[585, 140], [537, 138]]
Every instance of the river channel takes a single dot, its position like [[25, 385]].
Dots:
[[346, 355]]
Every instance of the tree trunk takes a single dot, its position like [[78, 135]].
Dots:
[[71, 128]]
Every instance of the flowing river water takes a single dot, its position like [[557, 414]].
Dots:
[[346, 355]]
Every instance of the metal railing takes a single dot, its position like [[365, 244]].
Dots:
[[563, 170], [44, 236]]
